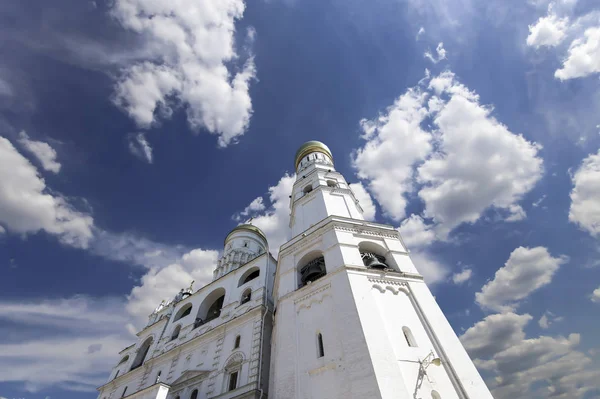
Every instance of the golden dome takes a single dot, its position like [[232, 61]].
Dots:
[[248, 227], [312, 146]]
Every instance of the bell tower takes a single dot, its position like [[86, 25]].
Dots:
[[354, 318]]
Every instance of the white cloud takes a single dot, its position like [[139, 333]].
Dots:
[[256, 205], [68, 343], [462, 276], [395, 142], [42, 151], [585, 197], [525, 271], [164, 282], [583, 58], [415, 233], [440, 51], [420, 32], [26, 205], [274, 219], [195, 43], [432, 271], [547, 319], [477, 162], [365, 200], [595, 297], [139, 146], [548, 367], [548, 31]]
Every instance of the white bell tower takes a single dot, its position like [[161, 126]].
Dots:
[[354, 318]]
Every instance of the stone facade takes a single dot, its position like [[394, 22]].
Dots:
[[353, 319]]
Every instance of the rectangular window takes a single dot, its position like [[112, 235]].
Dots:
[[233, 380], [320, 343]]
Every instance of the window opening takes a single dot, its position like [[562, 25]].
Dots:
[[332, 183], [124, 392], [233, 381], [246, 296], [307, 189], [313, 270], [435, 395], [410, 340], [116, 374], [194, 394], [320, 344], [142, 352], [251, 276], [158, 377], [184, 311], [373, 261], [237, 342], [176, 332], [126, 358]]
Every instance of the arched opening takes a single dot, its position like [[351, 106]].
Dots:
[[307, 189], [142, 352], [184, 311], [373, 256], [124, 392], [410, 340], [246, 296], [126, 358], [233, 380], [320, 347], [176, 332], [332, 183], [158, 377], [312, 268], [237, 342], [249, 275], [435, 395], [194, 394], [210, 308]]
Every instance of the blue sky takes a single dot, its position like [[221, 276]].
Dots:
[[135, 135]]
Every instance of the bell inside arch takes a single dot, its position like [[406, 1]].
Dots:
[[314, 270], [373, 261]]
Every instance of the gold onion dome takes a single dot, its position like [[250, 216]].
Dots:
[[312, 146], [247, 227]]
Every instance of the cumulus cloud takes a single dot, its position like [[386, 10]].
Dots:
[[462, 276], [547, 319], [164, 282], [547, 31], [79, 344], [585, 196], [536, 367], [257, 205], [595, 297], [583, 57], [139, 146], [477, 163], [274, 218], [365, 200], [44, 153], [415, 233], [440, 51], [27, 206], [433, 271], [525, 271], [196, 67]]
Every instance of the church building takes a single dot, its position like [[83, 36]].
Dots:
[[342, 313]]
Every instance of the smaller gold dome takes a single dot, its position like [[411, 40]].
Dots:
[[247, 227], [312, 146]]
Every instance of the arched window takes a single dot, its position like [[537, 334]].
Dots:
[[126, 358], [410, 340], [210, 308], [435, 395], [142, 352], [124, 392], [176, 332], [177, 397], [184, 311], [237, 342], [312, 270], [158, 377], [194, 394], [373, 256], [249, 275], [233, 380], [307, 189], [320, 347], [332, 183], [246, 296]]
